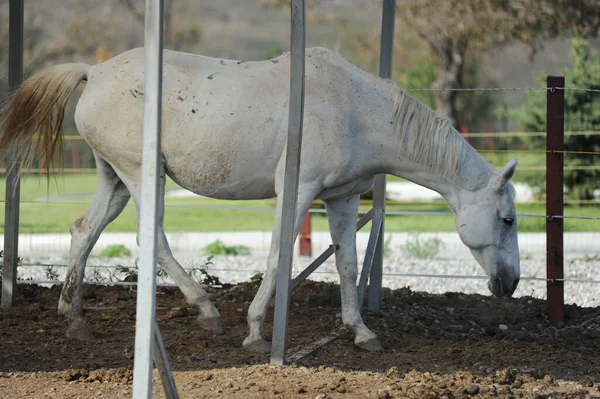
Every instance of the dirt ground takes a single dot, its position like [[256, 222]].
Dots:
[[436, 346]]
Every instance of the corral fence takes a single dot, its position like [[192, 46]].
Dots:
[[554, 216], [493, 143], [147, 332]]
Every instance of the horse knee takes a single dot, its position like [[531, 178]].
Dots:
[[350, 274]]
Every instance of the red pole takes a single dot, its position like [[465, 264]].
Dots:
[[75, 158], [464, 129], [304, 235], [555, 144], [491, 139]]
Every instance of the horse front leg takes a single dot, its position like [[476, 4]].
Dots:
[[255, 341], [342, 214]]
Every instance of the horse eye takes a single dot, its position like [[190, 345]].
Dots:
[[508, 221]]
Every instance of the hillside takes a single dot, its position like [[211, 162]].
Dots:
[[74, 30]]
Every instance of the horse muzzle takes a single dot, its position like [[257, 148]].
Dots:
[[503, 287]]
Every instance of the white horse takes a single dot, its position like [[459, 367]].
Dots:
[[224, 135]]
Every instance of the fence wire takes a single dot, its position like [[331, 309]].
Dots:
[[74, 171], [550, 89], [394, 275], [526, 134], [79, 140], [323, 211]]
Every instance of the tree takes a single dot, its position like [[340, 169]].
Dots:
[[314, 13], [178, 35], [582, 114], [458, 31]]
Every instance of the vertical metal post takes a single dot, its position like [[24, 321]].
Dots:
[[388, 19], [148, 223], [290, 186], [13, 182], [374, 238], [555, 141]]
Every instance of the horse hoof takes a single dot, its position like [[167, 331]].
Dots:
[[79, 330], [257, 345], [213, 324], [371, 345]]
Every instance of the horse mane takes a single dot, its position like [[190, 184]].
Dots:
[[425, 137]]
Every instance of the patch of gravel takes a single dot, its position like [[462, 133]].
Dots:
[[399, 271]]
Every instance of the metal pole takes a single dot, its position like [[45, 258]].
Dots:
[[163, 366], [388, 18], [148, 223], [374, 238], [290, 185], [13, 181], [555, 141], [326, 254]]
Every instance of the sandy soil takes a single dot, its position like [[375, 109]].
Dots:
[[436, 346]]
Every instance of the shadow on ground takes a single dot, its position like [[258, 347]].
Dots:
[[437, 345]]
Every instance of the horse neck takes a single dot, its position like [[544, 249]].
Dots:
[[473, 173], [389, 128]]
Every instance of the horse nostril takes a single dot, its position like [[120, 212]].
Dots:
[[515, 284]]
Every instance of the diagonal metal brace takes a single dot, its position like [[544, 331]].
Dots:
[[325, 255], [370, 255], [162, 364]]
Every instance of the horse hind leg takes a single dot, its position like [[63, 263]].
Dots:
[[108, 203], [209, 318]]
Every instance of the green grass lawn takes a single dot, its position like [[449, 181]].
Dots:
[[41, 215]]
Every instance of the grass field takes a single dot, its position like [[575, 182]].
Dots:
[[68, 197]]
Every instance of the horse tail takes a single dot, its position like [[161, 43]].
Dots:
[[31, 120]]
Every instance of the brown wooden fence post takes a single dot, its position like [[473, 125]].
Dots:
[[555, 145], [304, 236]]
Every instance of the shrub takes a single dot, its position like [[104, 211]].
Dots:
[[219, 248], [423, 248], [202, 276], [115, 251]]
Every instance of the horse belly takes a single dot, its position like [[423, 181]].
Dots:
[[217, 177]]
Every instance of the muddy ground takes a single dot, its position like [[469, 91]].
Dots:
[[436, 346]]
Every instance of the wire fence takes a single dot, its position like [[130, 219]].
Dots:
[[534, 167], [257, 271], [467, 89], [324, 212]]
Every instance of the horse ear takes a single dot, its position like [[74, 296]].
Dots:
[[505, 174]]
